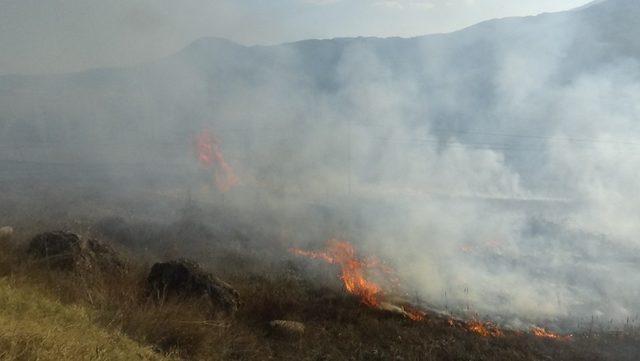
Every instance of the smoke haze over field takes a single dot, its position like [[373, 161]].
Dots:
[[495, 165]]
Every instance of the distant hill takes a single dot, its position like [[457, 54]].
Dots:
[[504, 76]]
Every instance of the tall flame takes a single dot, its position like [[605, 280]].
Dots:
[[210, 155], [355, 273]]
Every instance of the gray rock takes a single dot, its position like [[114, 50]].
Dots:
[[6, 233], [67, 251], [183, 278]]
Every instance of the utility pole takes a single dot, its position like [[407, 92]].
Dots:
[[349, 135], [350, 204]]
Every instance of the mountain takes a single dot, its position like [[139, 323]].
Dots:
[[505, 76]]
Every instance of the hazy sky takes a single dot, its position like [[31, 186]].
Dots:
[[43, 36]]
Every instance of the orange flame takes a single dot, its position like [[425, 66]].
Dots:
[[543, 333], [484, 329], [210, 155], [354, 272], [414, 313]]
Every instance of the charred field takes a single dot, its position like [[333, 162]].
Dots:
[[273, 284]]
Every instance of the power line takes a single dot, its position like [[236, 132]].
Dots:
[[284, 140]]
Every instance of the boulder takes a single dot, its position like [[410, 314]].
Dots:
[[67, 251], [186, 279]]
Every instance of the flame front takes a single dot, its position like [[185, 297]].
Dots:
[[354, 275], [210, 155], [485, 329], [543, 333], [343, 254]]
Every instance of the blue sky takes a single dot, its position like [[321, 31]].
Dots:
[[43, 36]]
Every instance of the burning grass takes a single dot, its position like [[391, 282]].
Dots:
[[339, 325], [484, 329], [356, 275], [543, 333], [210, 156]]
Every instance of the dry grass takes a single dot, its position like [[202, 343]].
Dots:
[[34, 327], [93, 312]]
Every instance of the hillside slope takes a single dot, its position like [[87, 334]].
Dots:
[[102, 313], [34, 327]]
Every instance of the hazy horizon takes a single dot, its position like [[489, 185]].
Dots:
[[60, 37]]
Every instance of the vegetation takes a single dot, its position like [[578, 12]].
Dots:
[[36, 327], [51, 315]]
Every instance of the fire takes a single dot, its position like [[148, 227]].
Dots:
[[489, 329], [543, 333], [484, 329], [413, 313], [210, 155], [352, 270], [355, 272]]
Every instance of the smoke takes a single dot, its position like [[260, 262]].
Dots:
[[494, 167]]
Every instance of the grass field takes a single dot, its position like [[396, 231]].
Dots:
[[54, 315], [33, 326]]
